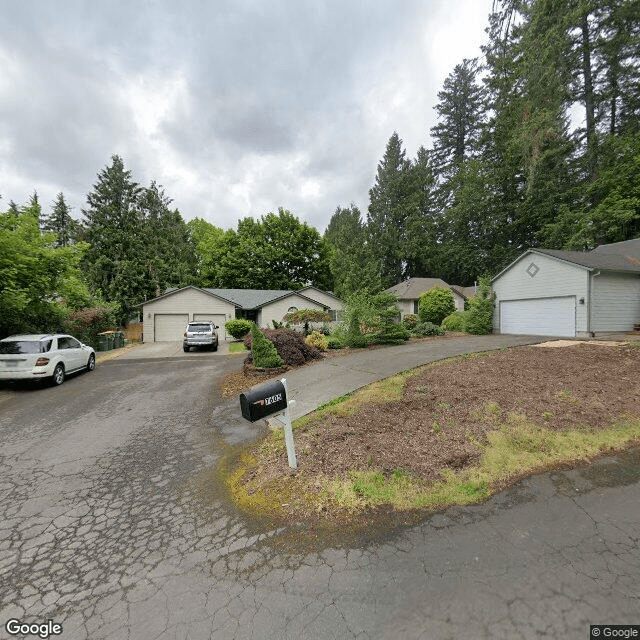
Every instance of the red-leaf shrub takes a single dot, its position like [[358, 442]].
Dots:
[[289, 344]]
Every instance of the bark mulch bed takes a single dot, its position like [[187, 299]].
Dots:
[[448, 407], [239, 381]]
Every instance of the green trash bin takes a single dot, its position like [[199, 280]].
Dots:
[[119, 339], [111, 341], [103, 342]]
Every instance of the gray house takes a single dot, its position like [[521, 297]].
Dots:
[[409, 291], [570, 293], [166, 316]]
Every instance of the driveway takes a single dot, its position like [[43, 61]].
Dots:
[[113, 524], [167, 350]]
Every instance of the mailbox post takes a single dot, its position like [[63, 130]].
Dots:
[[266, 400]]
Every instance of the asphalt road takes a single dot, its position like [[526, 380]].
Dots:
[[113, 525]]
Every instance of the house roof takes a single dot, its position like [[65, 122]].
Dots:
[[256, 298], [245, 298], [609, 260], [413, 288], [326, 293], [467, 292], [618, 256], [628, 248]]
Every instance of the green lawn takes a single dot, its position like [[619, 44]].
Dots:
[[237, 347]]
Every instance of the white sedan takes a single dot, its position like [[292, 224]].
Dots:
[[51, 356]]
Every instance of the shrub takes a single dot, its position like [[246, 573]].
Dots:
[[289, 344], [238, 328], [86, 324], [305, 316], [263, 352], [410, 321], [479, 317], [435, 305], [423, 329], [317, 340], [390, 331], [334, 343], [455, 322]]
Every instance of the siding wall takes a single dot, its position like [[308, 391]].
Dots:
[[189, 301], [615, 302], [554, 279], [277, 309]]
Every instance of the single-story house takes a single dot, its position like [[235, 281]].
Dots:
[[570, 293], [166, 316], [409, 292]]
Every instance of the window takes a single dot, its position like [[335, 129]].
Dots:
[[68, 343], [415, 306], [292, 309]]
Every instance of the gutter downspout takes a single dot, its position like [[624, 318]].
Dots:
[[591, 277]]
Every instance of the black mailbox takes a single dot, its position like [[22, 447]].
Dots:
[[263, 401]]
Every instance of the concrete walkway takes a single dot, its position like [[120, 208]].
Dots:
[[317, 383]]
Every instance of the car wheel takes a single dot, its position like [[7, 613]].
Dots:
[[58, 375], [91, 362], [186, 349], [215, 346]]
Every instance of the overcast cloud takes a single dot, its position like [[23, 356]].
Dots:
[[236, 108]]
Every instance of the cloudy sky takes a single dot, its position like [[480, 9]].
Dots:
[[236, 107]]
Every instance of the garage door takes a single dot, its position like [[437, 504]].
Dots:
[[217, 318], [169, 326], [539, 317]]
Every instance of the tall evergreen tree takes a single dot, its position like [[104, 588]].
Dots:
[[352, 265], [389, 208], [460, 112], [114, 261], [424, 221], [60, 222], [170, 258]]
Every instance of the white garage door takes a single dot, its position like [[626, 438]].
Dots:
[[539, 317], [218, 318], [169, 326]]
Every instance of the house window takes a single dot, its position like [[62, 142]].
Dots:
[[415, 306], [292, 309]]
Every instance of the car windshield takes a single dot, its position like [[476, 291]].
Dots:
[[25, 346], [199, 327]]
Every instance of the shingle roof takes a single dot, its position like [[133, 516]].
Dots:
[[628, 248], [606, 259], [249, 298], [413, 288]]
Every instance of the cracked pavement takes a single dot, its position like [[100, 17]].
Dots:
[[112, 525]]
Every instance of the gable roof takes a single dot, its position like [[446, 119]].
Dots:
[[609, 260], [326, 293], [413, 288], [618, 256], [247, 299]]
